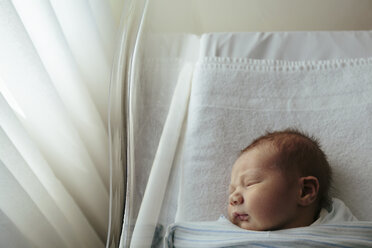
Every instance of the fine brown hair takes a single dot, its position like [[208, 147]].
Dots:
[[302, 153]]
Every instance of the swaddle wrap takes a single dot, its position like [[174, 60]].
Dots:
[[337, 228]]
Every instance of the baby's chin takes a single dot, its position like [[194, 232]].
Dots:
[[248, 226]]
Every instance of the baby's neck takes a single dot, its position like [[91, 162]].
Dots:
[[306, 216]]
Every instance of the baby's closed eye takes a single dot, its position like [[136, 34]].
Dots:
[[251, 183]]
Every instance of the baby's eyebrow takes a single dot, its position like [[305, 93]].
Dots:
[[253, 174]]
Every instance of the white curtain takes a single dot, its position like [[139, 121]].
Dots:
[[55, 64]]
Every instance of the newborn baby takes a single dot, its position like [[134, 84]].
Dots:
[[281, 180]]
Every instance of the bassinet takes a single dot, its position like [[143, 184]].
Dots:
[[157, 96]]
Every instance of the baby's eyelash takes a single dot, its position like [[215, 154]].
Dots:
[[250, 184]]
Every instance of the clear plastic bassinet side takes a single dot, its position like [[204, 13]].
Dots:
[[146, 70], [121, 167]]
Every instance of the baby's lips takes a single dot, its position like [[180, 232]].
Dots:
[[241, 216]]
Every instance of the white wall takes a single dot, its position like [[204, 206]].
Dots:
[[200, 16]]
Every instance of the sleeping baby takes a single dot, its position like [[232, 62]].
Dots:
[[279, 197], [280, 181]]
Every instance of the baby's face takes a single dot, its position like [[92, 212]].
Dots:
[[261, 196]]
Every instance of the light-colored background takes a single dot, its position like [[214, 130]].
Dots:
[[202, 16]]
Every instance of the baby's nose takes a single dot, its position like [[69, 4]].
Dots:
[[236, 199]]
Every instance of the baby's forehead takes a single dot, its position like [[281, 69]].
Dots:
[[265, 150], [255, 159]]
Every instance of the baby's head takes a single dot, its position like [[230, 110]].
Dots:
[[281, 180]]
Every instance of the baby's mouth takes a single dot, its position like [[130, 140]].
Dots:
[[241, 217]]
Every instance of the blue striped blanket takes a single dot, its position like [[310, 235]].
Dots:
[[222, 233]]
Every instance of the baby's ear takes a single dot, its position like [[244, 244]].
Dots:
[[309, 187]]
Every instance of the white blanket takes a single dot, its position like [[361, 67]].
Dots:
[[337, 228], [337, 213], [235, 100]]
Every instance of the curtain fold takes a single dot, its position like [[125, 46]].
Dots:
[[55, 62]]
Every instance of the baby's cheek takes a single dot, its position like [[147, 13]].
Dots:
[[264, 205]]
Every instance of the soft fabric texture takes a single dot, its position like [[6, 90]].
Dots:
[[288, 45], [337, 213], [336, 228], [234, 101]]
